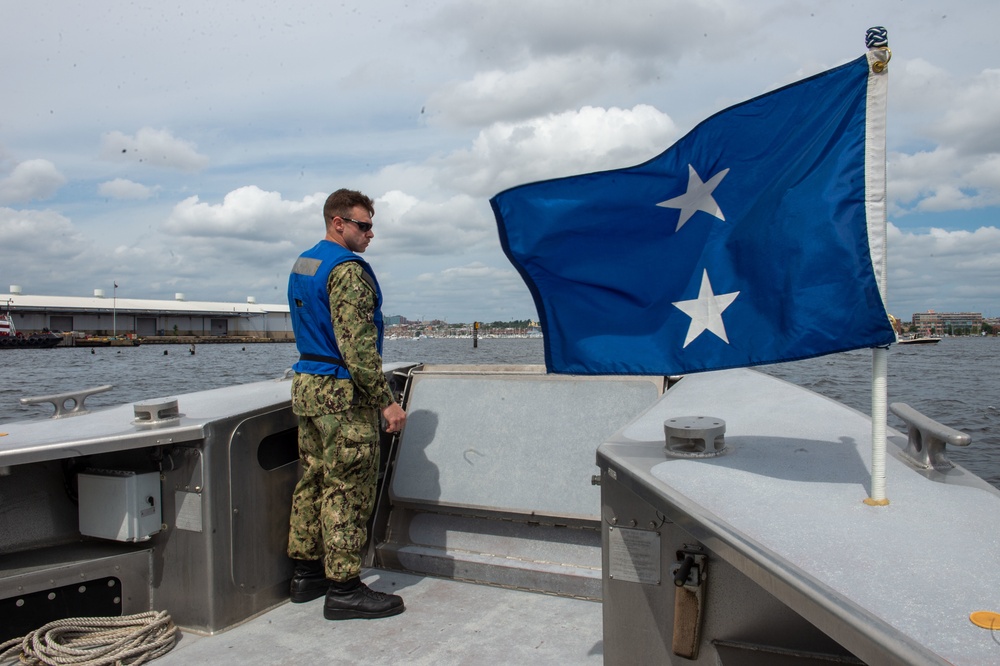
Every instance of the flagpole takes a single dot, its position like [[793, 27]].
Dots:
[[875, 201]]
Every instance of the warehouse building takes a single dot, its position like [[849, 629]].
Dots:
[[99, 315]]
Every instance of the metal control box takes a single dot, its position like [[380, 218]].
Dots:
[[118, 504]]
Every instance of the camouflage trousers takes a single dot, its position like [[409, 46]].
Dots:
[[334, 498]]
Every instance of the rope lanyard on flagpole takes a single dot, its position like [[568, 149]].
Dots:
[[875, 202]]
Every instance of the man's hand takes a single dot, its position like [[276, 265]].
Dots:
[[395, 417]]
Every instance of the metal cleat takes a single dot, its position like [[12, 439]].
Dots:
[[927, 440], [61, 401]]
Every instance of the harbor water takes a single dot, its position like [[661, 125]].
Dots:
[[956, 382]]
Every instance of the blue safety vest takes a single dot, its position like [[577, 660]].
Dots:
[[309, 304]]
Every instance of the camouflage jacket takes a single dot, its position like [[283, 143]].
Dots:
[[352, 307]]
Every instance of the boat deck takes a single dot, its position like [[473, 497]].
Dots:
[[488, 510], [445, 622], [893, 584]]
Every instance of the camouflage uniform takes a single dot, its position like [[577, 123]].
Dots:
[[338, 436]]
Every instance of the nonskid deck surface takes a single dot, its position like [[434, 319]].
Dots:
[[445, 622]]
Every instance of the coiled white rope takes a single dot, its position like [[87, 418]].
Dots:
[[94, 641]]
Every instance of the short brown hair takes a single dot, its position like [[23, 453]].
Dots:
[[342, 201]]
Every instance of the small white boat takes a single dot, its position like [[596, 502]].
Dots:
[[919, 340]]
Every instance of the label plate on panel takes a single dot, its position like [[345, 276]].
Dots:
[[634, 555], [188, 511]]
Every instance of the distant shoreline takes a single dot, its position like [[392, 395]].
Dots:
[[243, 339]]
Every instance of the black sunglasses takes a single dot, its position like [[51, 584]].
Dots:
[[363, 227]]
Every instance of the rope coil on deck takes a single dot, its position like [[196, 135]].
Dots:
[[94, 641]]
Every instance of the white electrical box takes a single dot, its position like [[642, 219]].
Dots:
[[119, 504]]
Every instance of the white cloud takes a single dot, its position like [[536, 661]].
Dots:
[[951, 159], [591, 139], [152, 147], [122, 188], [510, 33], [406, 225], [607, 51], [917, 85], [497, 293], [943, 270], [534, 89], [971, 123], [31, 180], [248, 213], [943, 180], [40, 248]]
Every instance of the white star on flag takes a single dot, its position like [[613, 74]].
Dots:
[[698, 197], [706, 311]]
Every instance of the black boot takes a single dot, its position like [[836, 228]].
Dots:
[[354, 599], [308, 581]]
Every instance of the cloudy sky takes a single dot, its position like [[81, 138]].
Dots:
[[188, 146]]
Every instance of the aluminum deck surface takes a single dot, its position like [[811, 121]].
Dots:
[[786, 507], [112, 429], [445, 622]]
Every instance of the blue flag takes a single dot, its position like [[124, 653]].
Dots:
[[747, 242]]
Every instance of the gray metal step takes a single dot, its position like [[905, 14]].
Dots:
[[543, 558]]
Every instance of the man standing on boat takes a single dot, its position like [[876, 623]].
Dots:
[[338, 393]]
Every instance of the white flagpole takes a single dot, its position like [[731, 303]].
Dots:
[[875, 204]]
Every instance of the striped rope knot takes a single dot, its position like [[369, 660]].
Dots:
[[877, 37]]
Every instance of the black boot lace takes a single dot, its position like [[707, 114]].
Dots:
[[373, 594]]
